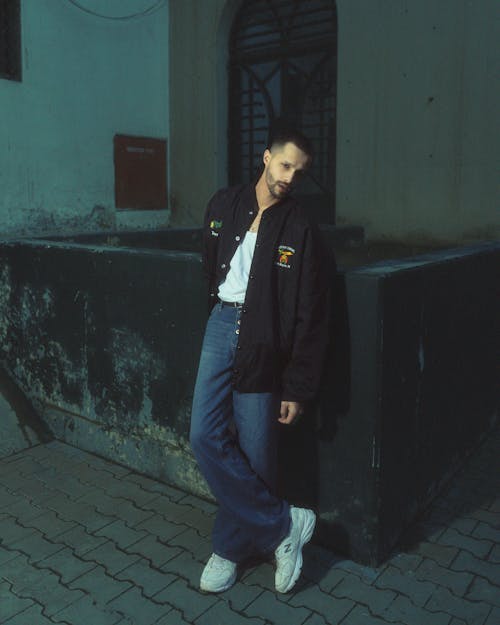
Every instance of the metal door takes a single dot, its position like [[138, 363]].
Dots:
[[283, 63]]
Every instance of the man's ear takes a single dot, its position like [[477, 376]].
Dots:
[[266, 157]]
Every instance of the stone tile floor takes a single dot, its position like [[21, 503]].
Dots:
[[87, 542]]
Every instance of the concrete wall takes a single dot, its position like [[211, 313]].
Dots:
[[199, 34], [417, 100], [110, 363], [85, 78], [408, 391], [416, 113]]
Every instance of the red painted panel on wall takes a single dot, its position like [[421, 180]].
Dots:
[[140, 172]]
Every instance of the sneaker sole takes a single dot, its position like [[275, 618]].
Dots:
[[305, 537]]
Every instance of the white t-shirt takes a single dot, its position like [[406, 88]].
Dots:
[[234, 287]]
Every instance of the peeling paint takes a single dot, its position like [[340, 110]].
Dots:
[[5, 297], [135, 367], [165, 435]]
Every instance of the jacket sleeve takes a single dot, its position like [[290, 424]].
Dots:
[[302, 375]]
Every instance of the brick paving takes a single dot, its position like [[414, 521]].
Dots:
[[87, 542]]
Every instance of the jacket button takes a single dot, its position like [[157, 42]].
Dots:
[[223, 266], [239, 347], [237, 237], [251, 276], [237, 331]]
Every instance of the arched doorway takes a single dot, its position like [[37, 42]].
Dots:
[[283, 63]]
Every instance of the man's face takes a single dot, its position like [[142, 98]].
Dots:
[[283, 166]]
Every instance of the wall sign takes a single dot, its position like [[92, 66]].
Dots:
[[140, 172]]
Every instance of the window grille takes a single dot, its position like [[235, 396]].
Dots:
[[283, 63], [10, 39]]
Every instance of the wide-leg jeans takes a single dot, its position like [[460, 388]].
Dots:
[[234, 439]]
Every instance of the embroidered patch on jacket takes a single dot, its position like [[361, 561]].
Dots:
[[285, 254], [215, 226]]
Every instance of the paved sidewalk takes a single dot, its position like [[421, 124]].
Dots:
[[87, 542]]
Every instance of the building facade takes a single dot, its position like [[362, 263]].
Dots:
[[403, 109]]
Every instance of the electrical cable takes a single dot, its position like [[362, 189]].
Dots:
[[152, 9]]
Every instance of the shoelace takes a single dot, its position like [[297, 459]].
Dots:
[[217, 563]]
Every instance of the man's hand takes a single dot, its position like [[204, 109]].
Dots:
[[290, 411]]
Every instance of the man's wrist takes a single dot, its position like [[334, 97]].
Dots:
[[293, 400]]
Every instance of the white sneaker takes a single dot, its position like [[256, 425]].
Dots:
[[218, 575], [289, 552]]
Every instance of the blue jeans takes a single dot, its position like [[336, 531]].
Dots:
[[234, 440]]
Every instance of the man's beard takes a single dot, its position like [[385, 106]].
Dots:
[[277, 189]]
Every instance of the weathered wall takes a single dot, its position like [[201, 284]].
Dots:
[[108, 362], [409, 387], [85, 78], [417, 102]]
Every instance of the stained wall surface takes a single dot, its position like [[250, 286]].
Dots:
[[84, 79], [109, 363]]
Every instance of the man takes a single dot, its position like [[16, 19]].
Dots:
[[260, 363]]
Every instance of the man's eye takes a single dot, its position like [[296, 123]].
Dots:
[[286, 165]]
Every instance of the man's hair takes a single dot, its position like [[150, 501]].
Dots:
[[282, 133]]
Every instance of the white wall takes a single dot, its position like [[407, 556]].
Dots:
[[85, 78]]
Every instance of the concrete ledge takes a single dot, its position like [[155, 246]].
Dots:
[[189, 239]]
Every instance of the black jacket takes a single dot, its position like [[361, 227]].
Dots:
[[285, 316]]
